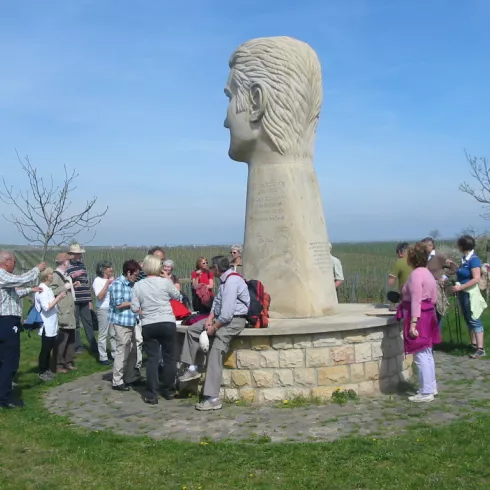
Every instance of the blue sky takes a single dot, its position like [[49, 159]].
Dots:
[[131, 95]]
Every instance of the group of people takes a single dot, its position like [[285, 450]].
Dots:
[[423, 278], [134, 312]]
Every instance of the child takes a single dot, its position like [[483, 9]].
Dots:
[[45, 303]]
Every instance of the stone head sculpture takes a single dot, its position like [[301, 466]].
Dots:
[[275, 92]]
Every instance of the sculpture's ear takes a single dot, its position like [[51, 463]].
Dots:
[[258, 101]]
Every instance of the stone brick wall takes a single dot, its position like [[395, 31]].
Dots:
[[274, 368]]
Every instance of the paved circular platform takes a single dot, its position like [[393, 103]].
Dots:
[[90, 402]]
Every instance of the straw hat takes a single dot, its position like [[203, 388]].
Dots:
[[76, 249]]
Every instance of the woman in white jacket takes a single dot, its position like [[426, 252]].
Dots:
[[45, 302]]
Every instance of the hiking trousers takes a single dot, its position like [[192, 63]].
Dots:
[[220, 344], [9, 354]]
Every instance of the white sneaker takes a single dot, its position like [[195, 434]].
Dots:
[[419, 398], [436, 393]]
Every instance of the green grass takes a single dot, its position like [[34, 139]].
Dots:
[[43, 451]]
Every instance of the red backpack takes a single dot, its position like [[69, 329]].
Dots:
[[260, 300]]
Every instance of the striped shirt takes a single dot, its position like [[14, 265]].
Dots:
[[82, 292], [141, 276], [10, 292], [121, 291]]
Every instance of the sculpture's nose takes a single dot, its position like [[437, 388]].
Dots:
[[225, 123]]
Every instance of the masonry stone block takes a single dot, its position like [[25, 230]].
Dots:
[[240, 343], [305, 377], [332, 375], [269, 358], [343, 355], [353, 339], [302, 341], [230, 360], [363, 352], [263, 378], [231, 394], [327, 339], [272, 395], [248, 359], [226, 380], [376, 350], [282, 343], [317, 357], [260, 343], [240, 378], [371, 370], [357, 372], [291, 358], [374, 335], [283, 377]]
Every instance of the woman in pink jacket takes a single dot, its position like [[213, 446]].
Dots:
[[421, 329]]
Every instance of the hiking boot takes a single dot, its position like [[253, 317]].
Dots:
[[479, 353], [190, 375], [419, 398], [207, 405]]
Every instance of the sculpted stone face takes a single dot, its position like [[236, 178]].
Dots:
[[243, 134], [275, 95]]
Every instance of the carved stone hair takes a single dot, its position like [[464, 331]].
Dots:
[[290, 72]]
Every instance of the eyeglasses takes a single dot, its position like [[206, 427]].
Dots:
[[234, 252], [204, 262]]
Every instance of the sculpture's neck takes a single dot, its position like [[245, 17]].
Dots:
[[274, 158]]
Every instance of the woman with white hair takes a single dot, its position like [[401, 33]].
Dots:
[[45, 303], [151, 297], [168, 267], [236, 258]]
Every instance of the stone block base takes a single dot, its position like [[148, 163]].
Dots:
[[263, 366]]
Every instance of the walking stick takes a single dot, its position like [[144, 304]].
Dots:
[[457, 320]]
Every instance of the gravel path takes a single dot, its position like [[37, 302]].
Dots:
[[90, 402]]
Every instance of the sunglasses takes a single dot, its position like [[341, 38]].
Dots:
[[204, 262], [234, 252]]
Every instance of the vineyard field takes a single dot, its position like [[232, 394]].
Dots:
[[366, 265]]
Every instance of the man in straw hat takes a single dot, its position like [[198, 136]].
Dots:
[[83, 297]]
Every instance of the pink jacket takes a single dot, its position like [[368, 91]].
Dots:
[[420, 286], [419, 299]]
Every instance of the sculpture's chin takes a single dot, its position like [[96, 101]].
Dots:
[[237, 156]]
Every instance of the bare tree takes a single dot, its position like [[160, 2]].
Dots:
[[480, 171], [435, 234], [43, 214]]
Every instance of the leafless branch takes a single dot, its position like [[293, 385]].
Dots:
[[42, 214], [480, 171]]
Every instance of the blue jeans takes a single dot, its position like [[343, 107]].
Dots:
[[439, 319], [473, 325]]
